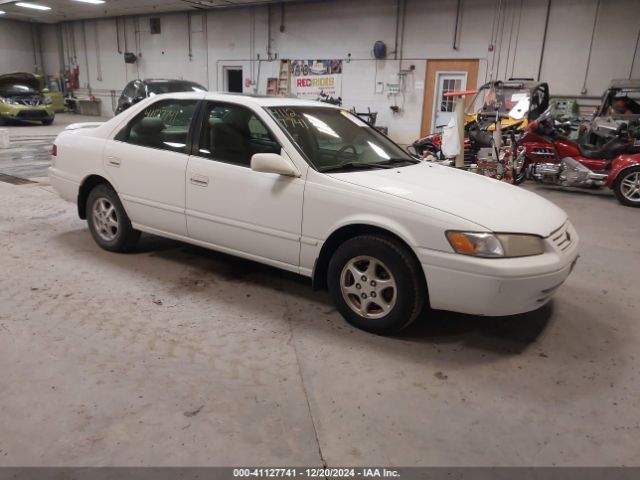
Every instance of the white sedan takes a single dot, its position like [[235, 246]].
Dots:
[[312, 189]]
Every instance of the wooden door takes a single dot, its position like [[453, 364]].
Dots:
[[435, 70]]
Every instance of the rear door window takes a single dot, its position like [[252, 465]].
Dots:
[[163, 125]]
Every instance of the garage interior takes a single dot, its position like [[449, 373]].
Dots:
[[174, 355]]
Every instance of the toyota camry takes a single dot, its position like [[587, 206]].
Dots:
[[311, 188]]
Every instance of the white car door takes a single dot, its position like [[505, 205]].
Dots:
[[232, 207], [146, 163]]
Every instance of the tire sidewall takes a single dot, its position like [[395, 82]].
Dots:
[[617, 187], [409, 291], [119, 243]]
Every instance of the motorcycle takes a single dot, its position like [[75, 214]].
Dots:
[[326, 98], [481, 154], [547, 156]]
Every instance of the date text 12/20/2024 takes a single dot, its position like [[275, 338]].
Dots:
[[316, 472]]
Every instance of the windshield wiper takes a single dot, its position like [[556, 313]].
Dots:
[[395, 161], [333, 168]]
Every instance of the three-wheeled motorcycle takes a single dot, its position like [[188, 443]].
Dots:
[[546, 155]]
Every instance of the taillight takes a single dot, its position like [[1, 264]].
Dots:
[[54, 150]]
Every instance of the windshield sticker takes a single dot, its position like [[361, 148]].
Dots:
[[288, 117], [520, 110], [516, 97]]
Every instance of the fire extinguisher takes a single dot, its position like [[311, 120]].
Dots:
[[75, 77]]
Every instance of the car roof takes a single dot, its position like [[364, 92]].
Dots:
[[625, 83], [248, 99], [167, 80]]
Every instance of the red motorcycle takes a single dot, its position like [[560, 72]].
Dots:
[[547, 156]]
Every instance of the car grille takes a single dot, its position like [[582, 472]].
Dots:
[[32, 114], [541, 152], [563, 237]]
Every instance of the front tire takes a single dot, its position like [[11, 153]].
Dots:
[[627, 187], [518, 178], [48, 121], [108, 222], [376, 284]]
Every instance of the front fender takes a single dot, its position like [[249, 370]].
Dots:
[[378, 221]]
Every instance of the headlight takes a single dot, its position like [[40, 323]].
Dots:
[[495, 245], [47, 100], [3, 100]]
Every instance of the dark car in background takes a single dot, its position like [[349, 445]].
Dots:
[[137, 90]]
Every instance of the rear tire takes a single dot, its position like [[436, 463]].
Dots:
[[108, 222], [627, 187], [376, 284]]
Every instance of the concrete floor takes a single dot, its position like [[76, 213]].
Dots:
[[174, 355]]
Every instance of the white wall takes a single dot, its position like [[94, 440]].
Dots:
[[566, 52], [16, 47], [335, 29]]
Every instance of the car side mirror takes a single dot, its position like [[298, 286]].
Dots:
[[273, 163]]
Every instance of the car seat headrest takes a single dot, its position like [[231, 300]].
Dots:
[[149, 126]]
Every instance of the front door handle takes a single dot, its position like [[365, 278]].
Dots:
[[113, 161], [199, 180]]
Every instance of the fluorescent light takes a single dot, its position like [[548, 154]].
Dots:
[[94, 2], [34, 6]]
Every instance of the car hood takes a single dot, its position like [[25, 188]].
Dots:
[[29, 79], [494, 205]]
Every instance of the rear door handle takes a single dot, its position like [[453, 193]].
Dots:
[[113, 161], [199, 180]]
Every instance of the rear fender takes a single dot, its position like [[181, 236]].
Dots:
[[619, 164]]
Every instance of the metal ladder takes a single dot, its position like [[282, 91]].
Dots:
[[284, 78]]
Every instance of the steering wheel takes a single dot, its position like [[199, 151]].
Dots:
[[339, 153]]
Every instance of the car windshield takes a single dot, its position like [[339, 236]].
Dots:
[[157, 88], [16, 89], [509, 100], [333, 139]]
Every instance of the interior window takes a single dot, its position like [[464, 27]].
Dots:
[[163, 125], [233, 134]]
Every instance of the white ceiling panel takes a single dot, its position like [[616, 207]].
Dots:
[[65, 10]]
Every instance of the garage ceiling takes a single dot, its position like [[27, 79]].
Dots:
[[63, 10]]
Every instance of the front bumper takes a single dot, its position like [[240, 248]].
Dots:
[[24, 112], [499, 287]]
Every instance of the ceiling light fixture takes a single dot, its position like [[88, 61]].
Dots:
[[94, 2], [34, 6], [2, 12]]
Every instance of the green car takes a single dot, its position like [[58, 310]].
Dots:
[[21, 98]]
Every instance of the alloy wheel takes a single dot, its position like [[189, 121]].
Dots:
[[105, 219], [368, 287], [630, 187]]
